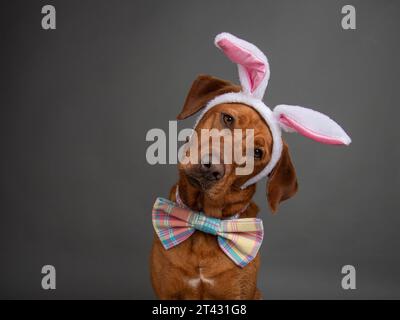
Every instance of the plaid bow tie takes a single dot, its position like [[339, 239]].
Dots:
[[240, 239]]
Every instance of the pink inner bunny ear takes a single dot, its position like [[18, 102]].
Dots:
[[253, 65], [255, 68], [311, 124]]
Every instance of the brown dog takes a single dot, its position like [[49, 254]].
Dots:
[[197, 268]]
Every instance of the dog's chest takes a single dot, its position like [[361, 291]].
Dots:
[[206, 249], [208, 261]]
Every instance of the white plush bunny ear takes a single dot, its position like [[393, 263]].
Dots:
[[311, 124], [252, 63]]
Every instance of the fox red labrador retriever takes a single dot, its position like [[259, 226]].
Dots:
[[197, 268], [221, 260]]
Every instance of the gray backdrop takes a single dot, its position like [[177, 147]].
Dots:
[[76, 103]]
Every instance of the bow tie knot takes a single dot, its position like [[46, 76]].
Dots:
[[205, 224], [240, 239]]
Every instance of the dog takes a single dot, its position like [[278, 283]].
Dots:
[[194, 265], [197, 268]]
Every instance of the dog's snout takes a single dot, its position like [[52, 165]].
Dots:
[[205, 174], [212, 171]]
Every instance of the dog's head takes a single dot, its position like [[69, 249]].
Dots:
[[232, 108], [218, 178]]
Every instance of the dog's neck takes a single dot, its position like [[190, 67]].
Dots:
[[228, 205]]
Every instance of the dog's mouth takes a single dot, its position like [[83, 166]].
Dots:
[[194, 181], [199, 182]]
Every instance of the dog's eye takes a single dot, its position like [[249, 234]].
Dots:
[[228, 120], [258, 153]]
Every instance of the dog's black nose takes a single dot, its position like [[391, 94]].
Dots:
[[212, 171]]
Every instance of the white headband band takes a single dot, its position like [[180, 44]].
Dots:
[[254, 74]]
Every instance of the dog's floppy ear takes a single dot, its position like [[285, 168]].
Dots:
[[204, 89], [282, 182]]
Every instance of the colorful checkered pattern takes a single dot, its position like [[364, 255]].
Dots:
[[240, 239]]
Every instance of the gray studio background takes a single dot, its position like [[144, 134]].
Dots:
[[76, 103]]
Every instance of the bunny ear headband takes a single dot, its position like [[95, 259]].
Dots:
[[254, 74]]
